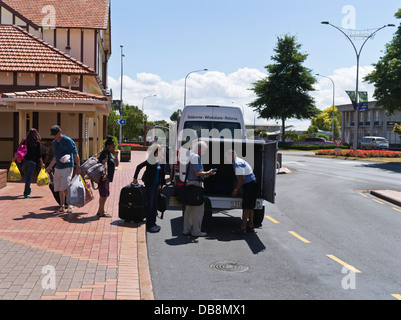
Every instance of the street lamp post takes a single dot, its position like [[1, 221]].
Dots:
[[358, 55], [334, 97], [121, 92], [185, 88], [144, 119]]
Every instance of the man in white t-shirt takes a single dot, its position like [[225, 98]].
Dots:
[[247, 181]]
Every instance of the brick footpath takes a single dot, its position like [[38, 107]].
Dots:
[[71, 256]]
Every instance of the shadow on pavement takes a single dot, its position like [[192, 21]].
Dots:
[[386, 166], [221, 229]]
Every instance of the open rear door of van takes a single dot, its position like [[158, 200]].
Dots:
[[269, 171]]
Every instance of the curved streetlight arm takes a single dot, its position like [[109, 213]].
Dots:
[[185, 88], [366, 40], [356, 51], [371, 37]]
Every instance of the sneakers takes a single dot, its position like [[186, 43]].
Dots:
[[154, 229], [200, 234]]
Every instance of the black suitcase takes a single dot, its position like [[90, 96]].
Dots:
[[132, 205], [161, 203], [56, 195]]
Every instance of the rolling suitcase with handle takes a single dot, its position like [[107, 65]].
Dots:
[[132, 205]]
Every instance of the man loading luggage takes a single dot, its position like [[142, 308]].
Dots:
[[65, 156]]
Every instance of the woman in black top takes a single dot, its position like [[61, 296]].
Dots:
[[110, 161], [31, 159], [154, 180]]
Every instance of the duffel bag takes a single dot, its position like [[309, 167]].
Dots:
[[94, 169]]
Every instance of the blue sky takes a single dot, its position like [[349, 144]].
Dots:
[[165, 40]]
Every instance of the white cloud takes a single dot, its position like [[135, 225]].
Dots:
[[202, 88], [344, 80], [221, 89]]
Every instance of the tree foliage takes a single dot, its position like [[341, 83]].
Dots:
[[324, 121], [386, 76], [135, 120], [284, 93]]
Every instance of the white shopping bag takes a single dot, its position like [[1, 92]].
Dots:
[[76, 192]]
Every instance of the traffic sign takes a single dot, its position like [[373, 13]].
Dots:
[[338, 142], [122, 122]]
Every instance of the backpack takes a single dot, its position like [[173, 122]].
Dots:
[[94, 169]]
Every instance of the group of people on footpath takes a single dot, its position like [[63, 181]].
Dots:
[[66, 164]]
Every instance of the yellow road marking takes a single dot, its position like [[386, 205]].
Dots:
[[343, 263], [397, 209], [363, 195], [299, 237], [378, 201], [397, 296], [272, 220]]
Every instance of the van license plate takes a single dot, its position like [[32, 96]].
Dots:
[[236, 204]]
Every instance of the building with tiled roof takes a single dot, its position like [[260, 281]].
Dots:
[[53, 70], [55, 94], [79, 28], [85, 14], [21, 51]]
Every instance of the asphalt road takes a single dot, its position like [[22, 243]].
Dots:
[[325, 238]]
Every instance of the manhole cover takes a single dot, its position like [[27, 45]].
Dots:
[[229, 267]]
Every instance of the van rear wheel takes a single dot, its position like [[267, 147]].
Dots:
[[258, 217]]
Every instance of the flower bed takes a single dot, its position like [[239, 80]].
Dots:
[[361, 153], [130, 144]]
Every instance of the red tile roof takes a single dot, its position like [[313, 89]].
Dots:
[[91, 14], [22, 52], [54, 94]]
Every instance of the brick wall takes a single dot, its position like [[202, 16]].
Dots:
[[3, 178]]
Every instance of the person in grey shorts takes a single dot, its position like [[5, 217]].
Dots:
[[247, 181], [65, 156], [193, 215]]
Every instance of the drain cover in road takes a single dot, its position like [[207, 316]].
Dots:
[[229, 267]]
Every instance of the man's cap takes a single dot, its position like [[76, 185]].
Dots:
[[55, 130]]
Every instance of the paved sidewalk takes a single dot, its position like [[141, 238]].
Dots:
[[77, 256], [391, 196]]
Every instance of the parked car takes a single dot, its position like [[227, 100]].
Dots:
[[374, 143], [317, 140]]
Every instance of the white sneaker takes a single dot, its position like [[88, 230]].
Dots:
[[201, 234]]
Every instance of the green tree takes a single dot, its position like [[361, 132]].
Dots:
[[324, 121], [135, 119], [284, 93], [397, 129], [175, 115], [386, 76]]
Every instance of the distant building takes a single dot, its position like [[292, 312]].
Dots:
[[372, 122], [53, 70]]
